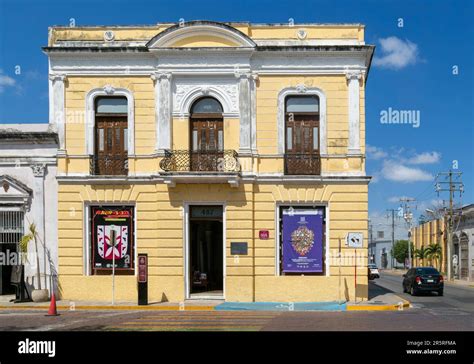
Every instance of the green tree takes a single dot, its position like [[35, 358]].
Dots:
[[25, 241], [434, 252], [421, 254], [400, 250]]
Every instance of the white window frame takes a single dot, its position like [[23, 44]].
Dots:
[[302, 91], [108, 91]]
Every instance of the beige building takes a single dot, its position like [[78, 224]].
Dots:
[[232, 154]]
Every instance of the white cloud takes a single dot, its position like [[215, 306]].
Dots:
[[5, 81], [381, 221], [375, 152], [432, 204], [396, 53], [395, 171], [425, 158]]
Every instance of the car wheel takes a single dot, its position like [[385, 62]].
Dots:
[[404, 289], [440, 292], [413, 291]]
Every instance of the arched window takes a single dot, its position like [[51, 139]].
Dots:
[[206, 105], [302, 140], [207, 134], [111, 136]]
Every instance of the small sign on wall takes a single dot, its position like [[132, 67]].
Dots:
[[355, 240], [238, 248], [264, 234]]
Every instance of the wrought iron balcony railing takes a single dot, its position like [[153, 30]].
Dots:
[[200, 161], [108, 165], [302, 164]]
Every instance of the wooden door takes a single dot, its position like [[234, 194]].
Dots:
[[111, 142], [207, 142], [302, 144]]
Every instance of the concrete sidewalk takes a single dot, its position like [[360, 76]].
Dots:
[[68, 305], [387, 301], [383, 302]]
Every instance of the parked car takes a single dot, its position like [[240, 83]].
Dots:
[[373, 271], [423, 279]]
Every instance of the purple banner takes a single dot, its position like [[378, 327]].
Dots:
[[302, 241]]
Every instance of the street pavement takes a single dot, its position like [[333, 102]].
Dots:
[[458, 299], [452, 312]]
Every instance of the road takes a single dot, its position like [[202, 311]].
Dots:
[[456, 298], [452, 312]]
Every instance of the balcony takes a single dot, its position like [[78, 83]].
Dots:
[[108, 165], [221, 161], [302, 164]]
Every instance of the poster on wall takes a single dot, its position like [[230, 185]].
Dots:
[[112, 237], [302, 248]]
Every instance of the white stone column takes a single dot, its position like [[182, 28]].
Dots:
[[39, 171], [163, 95], [353, 79], [56, 112], [253, 111], [245, 108]]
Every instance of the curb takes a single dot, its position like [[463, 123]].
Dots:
[[281, 306], [369, 307], [113, 308]]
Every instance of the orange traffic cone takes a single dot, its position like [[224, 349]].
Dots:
[[52, 307]]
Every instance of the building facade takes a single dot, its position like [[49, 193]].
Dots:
[[28, 195], [204, 145], [461, 253], [380, 253]]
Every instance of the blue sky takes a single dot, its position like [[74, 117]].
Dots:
[[412, 71]]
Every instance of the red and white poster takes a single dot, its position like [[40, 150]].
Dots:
[[112, 237]]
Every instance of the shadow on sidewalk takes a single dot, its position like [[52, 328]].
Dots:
[[376, 290]]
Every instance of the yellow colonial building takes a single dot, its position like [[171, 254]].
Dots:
[[232, 154]]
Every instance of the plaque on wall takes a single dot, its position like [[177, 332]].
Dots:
[[239, 248]]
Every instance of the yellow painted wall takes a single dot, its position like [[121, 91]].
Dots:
[[249, 208], [145, 33]]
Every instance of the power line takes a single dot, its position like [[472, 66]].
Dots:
[[449, 182], [408, 216]]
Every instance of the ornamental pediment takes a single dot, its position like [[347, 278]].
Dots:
[[201, 34]]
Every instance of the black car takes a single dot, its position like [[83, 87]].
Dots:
[[423, 279]]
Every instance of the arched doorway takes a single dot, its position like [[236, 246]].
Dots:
[[206, 134]]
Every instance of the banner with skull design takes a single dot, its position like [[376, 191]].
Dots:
[[112, 237], [302, 248]]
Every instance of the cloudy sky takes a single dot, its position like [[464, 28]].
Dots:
[[421, 74]]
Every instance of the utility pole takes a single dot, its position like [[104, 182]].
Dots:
[[392, 211], [451, 182], [408, 216]]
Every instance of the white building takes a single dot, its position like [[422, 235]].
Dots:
[[28, 194], [463, 242]]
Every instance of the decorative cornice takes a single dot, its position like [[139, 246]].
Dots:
[[38, 169], [243, 75], [157, 76], [301, 88], [55, 77], [353, 75], [109, 89]]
